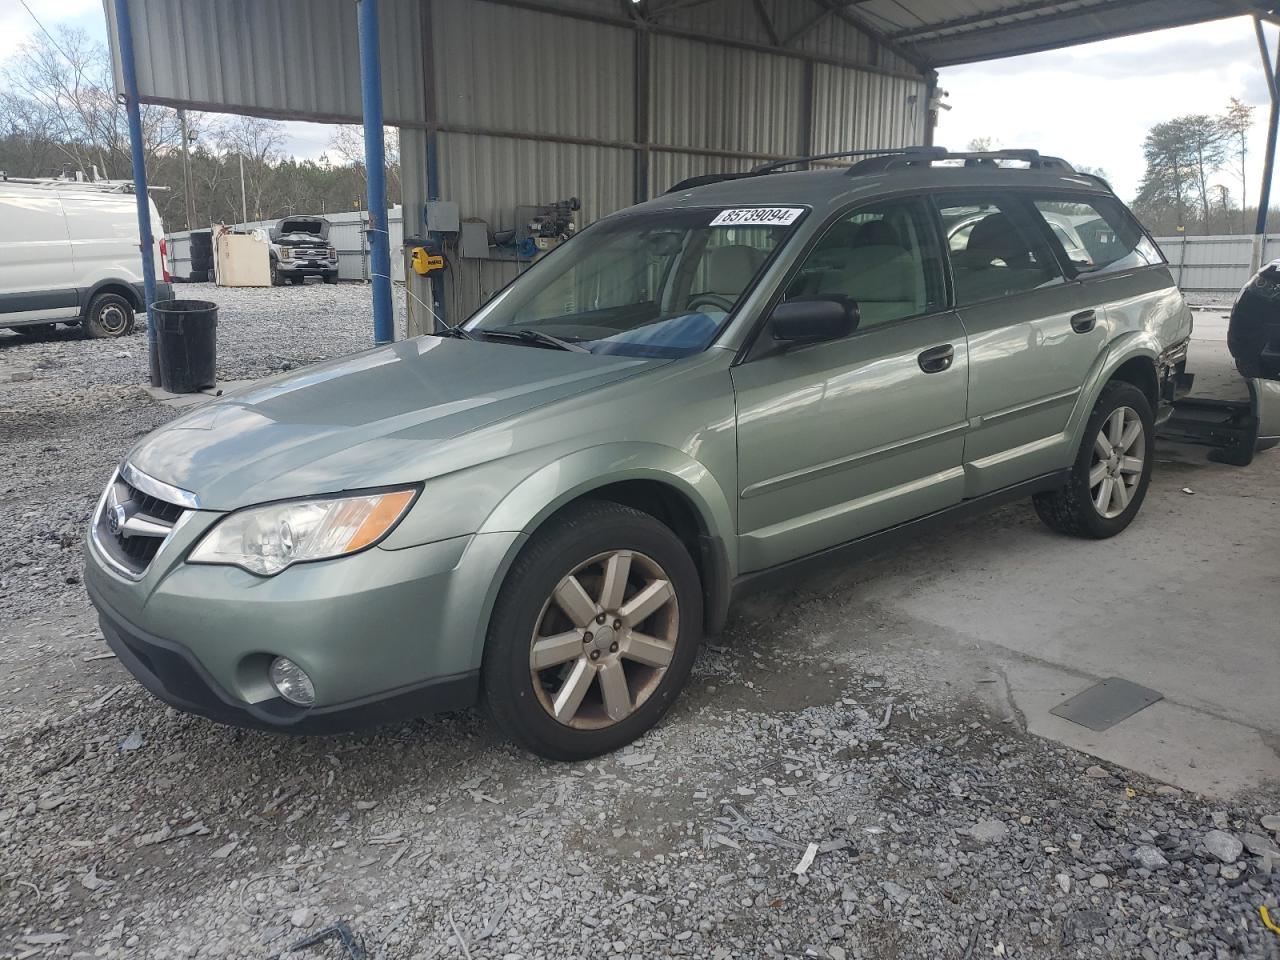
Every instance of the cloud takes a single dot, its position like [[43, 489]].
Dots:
[[17, 24], [1093, 104]]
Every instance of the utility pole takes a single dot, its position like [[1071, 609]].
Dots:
[[187, 187], [244, 203]]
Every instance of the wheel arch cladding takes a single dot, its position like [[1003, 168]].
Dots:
[[1140, 371], [118, 287], [662, 482]]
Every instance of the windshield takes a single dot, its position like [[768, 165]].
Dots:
[[658, 284]]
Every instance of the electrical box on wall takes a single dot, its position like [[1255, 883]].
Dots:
[[441, 216], [473, 243]]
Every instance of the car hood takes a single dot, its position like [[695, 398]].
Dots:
[[366, 420]]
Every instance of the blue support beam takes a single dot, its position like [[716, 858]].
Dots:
[[375, 166], [146, 241]]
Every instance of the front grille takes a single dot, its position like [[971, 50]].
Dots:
[[133, 525]]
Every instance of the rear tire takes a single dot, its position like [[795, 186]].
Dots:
[[109, 315], [1112, 471], [613, 663]]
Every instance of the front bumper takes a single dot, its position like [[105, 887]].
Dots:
[[174, 675], [383, 634], [295, 269]]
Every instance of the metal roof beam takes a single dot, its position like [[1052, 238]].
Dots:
[[994, 50], [844, 11], [993, 16], [765, 21]]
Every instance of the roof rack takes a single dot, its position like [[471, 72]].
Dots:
[[985, 158], [896, 158], [842, 154]]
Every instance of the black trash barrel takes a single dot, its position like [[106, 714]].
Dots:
[[187, 340]]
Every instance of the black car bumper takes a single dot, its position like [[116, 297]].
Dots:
[[173, 675]]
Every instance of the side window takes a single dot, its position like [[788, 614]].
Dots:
[[1097, 234], [994, 251], [883, 256]]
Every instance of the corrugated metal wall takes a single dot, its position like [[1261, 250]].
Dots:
[[281, 58]]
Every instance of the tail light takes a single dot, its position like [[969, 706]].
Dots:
[[333, 254], [164, 261]]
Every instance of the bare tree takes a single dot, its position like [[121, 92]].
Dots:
[[1235, 124], [347, 144], [259, 142]]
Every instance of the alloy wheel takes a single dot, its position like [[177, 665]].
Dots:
[[1119, 458], [604, 640]]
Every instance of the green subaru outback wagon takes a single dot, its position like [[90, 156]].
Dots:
[[547, 507]]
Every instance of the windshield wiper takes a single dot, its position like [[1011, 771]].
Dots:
[[535, 336], [448, 331]]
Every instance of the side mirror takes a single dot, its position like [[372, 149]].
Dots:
[[813, 319]]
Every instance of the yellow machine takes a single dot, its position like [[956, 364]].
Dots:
[[424, 262]]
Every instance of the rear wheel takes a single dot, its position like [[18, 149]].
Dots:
[[1112, 470], [109, 315], [594, 633]]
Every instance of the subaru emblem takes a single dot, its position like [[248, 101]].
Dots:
[[116, 519]]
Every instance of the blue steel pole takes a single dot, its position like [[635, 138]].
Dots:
[[375, 165], [146, 242]]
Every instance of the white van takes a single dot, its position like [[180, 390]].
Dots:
[[69, 254]]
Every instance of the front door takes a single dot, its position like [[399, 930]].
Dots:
[[838, 440]]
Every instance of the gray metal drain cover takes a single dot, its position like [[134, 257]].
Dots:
[[1105, 704]]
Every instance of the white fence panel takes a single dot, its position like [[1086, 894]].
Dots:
[[1215, 264], [346, 233]]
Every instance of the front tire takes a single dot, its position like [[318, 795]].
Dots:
[[594, 633], [109, 315], [1112, 471]]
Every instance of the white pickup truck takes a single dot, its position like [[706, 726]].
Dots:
[[300, 248]]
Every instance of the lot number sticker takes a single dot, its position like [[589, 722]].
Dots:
[[757, 217]]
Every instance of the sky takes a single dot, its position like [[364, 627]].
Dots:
[[1091, 104]]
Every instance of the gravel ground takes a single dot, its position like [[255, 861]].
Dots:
[[814, 793]]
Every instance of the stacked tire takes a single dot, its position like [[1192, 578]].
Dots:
[[201, 256]]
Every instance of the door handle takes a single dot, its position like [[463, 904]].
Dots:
[[937, 359], [1084, 322]]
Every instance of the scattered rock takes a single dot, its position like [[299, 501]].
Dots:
[[1223, 845], [988, 831], [1099, 881], [1149, 858]]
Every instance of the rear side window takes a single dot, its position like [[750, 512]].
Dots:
[[1097, 234], [996, 250]]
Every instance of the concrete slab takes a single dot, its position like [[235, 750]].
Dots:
[[179, 400]]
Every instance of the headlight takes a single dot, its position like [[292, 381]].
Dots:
[[266, 540], [286, 254]]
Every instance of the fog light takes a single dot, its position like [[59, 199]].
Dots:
[[292, 682]]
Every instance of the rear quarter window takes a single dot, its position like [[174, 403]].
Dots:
[[1096, 234]]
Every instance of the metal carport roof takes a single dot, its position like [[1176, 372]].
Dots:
[[939, 33]]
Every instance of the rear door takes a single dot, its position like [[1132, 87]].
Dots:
[[841, 439], [37, 279], [1033, 338]]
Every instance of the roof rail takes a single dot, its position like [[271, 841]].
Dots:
[[894, 158], [985, 158], [842, 154]]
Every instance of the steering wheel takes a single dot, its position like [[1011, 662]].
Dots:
[[724, 304]]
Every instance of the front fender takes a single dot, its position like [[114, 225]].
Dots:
[[562, 481]]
